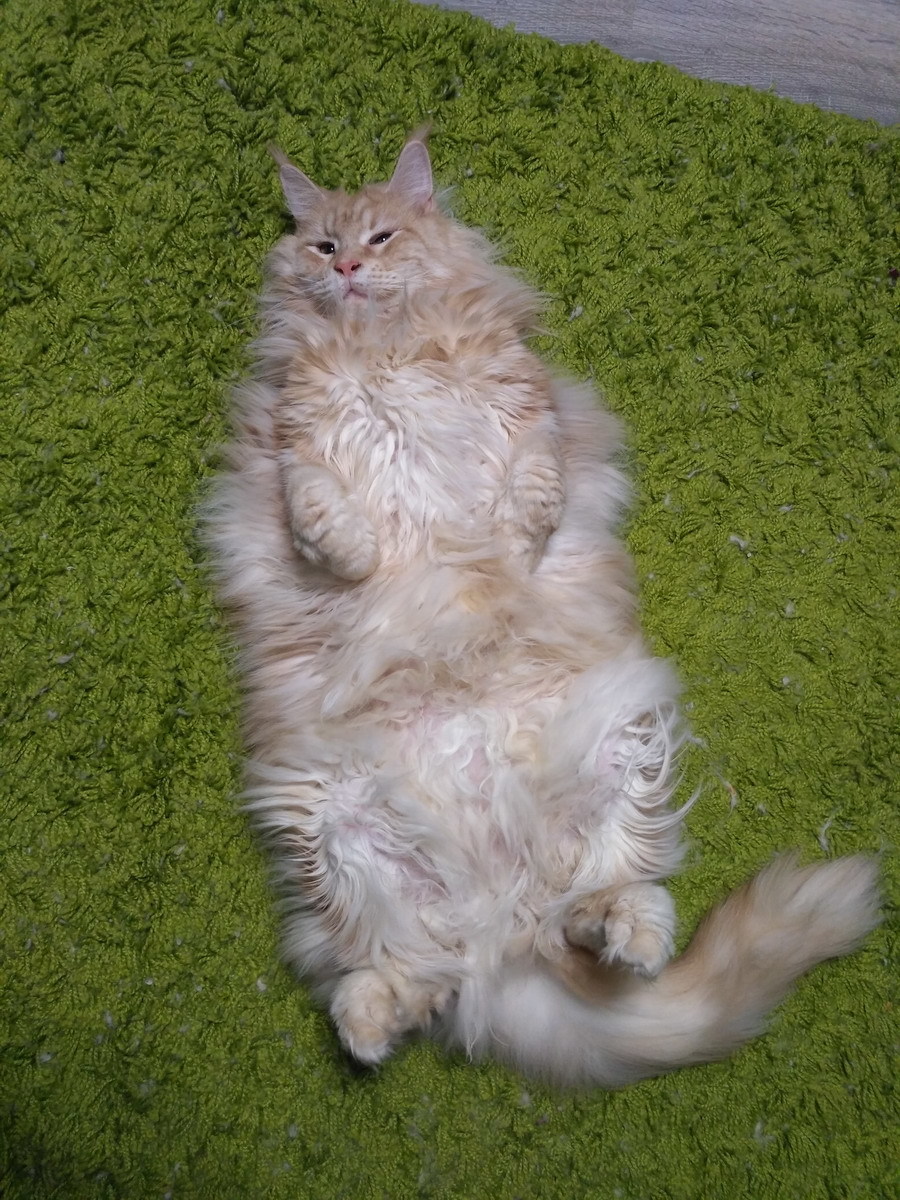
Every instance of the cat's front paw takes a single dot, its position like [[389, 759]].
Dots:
[[631, 926], [532, 508], [356, 559], [344, 542], [526, 547]]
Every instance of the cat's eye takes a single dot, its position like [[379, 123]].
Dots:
[[325, 247], [379, 238]]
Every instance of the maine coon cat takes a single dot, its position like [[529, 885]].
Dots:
[[461, 750]]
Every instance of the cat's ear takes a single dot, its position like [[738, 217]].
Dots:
[[412, 180], [300, 193]]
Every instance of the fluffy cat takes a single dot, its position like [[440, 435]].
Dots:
[[462, 750]]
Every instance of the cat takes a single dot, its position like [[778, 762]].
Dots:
[[462, 752]]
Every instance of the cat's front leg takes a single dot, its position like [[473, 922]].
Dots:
[[532, 504], [328, 525]]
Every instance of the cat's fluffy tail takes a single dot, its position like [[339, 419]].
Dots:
[[580, 1024]]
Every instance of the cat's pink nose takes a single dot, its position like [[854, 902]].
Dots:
[[347, 267]]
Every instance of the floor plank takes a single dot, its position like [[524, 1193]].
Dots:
[[839, 54]]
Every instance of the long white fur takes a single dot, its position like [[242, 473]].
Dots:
[[453, 752]]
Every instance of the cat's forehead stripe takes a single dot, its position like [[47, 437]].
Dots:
[[359, 215], [359, 210]]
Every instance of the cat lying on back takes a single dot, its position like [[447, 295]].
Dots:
[[462, 749]]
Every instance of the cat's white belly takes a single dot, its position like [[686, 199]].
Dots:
[[443, 822], [489, 815]]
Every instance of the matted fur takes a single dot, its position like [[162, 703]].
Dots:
[[461, 750]]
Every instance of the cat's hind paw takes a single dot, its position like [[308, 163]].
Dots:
[[372, 1010], [630, 926]]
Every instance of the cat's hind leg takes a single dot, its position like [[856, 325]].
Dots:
[[356, 861], [608, 776], [631, 921]]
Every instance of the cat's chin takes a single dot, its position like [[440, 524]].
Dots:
[[350, 304], [359, 302]]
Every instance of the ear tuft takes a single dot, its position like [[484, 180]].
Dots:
[[412, 180]]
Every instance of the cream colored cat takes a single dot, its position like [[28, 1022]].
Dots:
[[462, 750]]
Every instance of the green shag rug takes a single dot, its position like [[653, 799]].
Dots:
[[725, 263]]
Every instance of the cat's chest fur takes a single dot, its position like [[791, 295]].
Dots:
[[422, 440]]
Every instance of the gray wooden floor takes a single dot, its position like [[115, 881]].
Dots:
[[840, 54]]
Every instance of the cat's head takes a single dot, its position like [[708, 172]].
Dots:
[[386, 241]]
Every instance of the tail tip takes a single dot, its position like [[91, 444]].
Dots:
[[841, 898]]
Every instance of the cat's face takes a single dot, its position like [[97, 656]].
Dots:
[[366, 248], [356, 252]]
